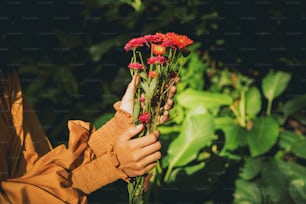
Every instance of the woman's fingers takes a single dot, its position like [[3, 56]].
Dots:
[[144, 141], [150, 149], [172, 92], [169, 104]]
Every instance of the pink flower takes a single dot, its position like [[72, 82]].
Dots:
[[157, 60], [144, 117], [135, 65], [134, 43]]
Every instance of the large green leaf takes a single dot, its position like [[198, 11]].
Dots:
[[275, 83], [191, 98], [293, 143], [177, 114], [263, 135], [197, 132], [253, 101], [246, 193], [295, 105]]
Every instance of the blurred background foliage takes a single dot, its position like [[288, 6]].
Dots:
[[243, 88]]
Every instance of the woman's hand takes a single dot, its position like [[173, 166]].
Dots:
[[139, 155]]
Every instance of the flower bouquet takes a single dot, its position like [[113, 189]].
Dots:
[[156, 62]]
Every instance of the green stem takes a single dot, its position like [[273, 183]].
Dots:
[[242, 109], [134, 54], [157, 110], [141, 61], [167, 176], [158, 167], [269, 108], [236, 113]]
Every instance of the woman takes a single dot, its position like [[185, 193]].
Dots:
[[31, 171]]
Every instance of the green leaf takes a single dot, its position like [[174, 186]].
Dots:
[[193, 76], [177, 114], [143, 75], [98, 50], [253, 101], [235, 136], [251, 168], [293, 143], [274, 83], [136, 111], [164, 130], [197, 132], [278, 179], [152, 88], [297, 190], [67, 40], [263, 135], [246, 193], [66, 80], [130, 188], [275, 180], [174, 173], [192, 98], [194, 168], [295, 105]]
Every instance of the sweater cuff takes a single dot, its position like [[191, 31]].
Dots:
[[98, 173], [109, 133]]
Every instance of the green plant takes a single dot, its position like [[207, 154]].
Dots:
[[252, 117]]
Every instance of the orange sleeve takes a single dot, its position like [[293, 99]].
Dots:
[[109, 133], [49, 178], [65, 175], [103, 170], [39, 174]]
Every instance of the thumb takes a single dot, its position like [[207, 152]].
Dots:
[[128, 98], [130, 133]]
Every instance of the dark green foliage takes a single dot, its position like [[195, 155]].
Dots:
[[246, 72]]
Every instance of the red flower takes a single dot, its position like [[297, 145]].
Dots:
[[134, 43], [180, 41], [142, 98], [168, 43], [153, 38], [158, 49], [135, 65], [144, 117], [157, 60], [161, 36]]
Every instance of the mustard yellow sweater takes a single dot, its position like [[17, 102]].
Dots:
[[31, 171]]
